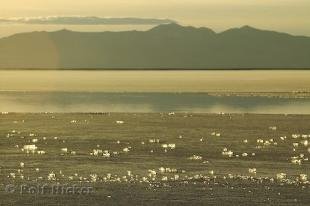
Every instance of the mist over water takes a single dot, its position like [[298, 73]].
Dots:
[[151, 91], [147, 102]]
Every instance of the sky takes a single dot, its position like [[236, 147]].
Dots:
[[290, 16]]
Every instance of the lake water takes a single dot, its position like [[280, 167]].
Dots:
[[146, 102], [150, 91]]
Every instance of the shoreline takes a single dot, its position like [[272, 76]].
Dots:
[[288, 95], [155, 69]]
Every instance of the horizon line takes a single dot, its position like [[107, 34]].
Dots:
[[156, 26]]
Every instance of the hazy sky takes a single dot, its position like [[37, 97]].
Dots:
[[291, 16]]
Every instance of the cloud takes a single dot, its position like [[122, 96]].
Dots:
[[85, 20]]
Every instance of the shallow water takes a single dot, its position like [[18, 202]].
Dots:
[[150, 91], [155, 81], [147, 102]]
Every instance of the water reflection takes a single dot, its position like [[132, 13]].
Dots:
[[146, 102]]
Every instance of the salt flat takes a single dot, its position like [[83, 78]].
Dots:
[[156, 158]]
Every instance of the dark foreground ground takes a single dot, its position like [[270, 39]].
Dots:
[[154, 159]]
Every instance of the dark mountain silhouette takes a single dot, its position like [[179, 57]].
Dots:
[[163, 47]]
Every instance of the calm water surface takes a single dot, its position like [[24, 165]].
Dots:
[[146, 102], [150, 91]]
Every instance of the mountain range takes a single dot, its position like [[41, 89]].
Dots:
[[167, 46]]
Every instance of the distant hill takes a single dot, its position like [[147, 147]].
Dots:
[[163, 47]]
